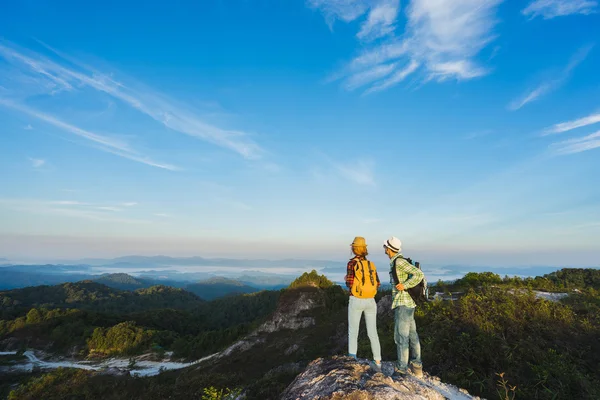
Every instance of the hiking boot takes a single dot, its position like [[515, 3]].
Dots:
[[400, 373], [417, 370], [375, 366]]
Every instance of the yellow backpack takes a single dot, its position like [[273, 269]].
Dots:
[[365, 279]]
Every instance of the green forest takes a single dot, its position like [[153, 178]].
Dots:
[[497, 331]]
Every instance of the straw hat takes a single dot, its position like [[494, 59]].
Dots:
[[359, 242]]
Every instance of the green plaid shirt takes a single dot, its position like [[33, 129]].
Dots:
[[404, 268]]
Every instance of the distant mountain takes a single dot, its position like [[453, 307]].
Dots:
[[218, 287], [158, 261], [19, 276], [122, 281], [264, 280], [4, 261]]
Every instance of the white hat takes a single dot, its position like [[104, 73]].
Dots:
[[394, 244]]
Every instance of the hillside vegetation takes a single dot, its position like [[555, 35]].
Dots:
[[93, 319], [544, 350], [313, 279]]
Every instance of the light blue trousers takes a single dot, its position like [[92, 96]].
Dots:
[[356, 307], [406, 337]]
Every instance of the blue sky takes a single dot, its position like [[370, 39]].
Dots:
[[470, 129]]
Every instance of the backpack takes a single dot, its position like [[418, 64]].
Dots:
[[420, 292], [365, 280]]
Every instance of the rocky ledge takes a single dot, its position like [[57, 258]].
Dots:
[[344, 378]]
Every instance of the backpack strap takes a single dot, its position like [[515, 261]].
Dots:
[[363, 271], [394, 274], [371, 273]]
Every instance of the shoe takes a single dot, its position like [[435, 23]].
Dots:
[[417, 370], [375, 366], [353, 356], [399, 372]]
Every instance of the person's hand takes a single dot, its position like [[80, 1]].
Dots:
[[400, 286]]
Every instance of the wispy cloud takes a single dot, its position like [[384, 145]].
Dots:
[[578, 145], [37, 162], [553, 83], [380, 21], [397, 77], [68, 203], [68, 208], [233, 203], [549, 9], [28, 127], [171, 113], [477, 134], [162, 215], [101, 142], [360, 172], [108, 208], [345, 10], [441, 38], [570, 125]]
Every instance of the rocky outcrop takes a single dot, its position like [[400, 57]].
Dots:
[[288, 314], [344, 378]]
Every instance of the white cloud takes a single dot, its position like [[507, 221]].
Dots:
[[570, 125], [549, 9], [108, 208], [398, 76], [162, 215], [67, 208], [477, 134], [578, 145], [172, 114], [129, 204], [101, 142], [552, 84], [441, 37], [368, 76], [360, 172], [67, 203], [37, 162], [346, 10], [28, 127], [380, 21]]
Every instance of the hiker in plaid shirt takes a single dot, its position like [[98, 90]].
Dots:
[[405, 328]]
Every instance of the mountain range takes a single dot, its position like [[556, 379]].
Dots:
[[19, 276], [159, 260]]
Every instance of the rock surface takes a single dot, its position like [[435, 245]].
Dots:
[[344, 378], [288, 314]]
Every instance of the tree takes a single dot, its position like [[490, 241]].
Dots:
[[33, 316], [311, 279]]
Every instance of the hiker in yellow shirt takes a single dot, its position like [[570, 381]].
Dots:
[[362, 281]]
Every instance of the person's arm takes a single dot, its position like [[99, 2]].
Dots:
[[350, 273], [406, 267]]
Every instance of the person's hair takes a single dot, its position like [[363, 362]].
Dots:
[[360, 251]]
